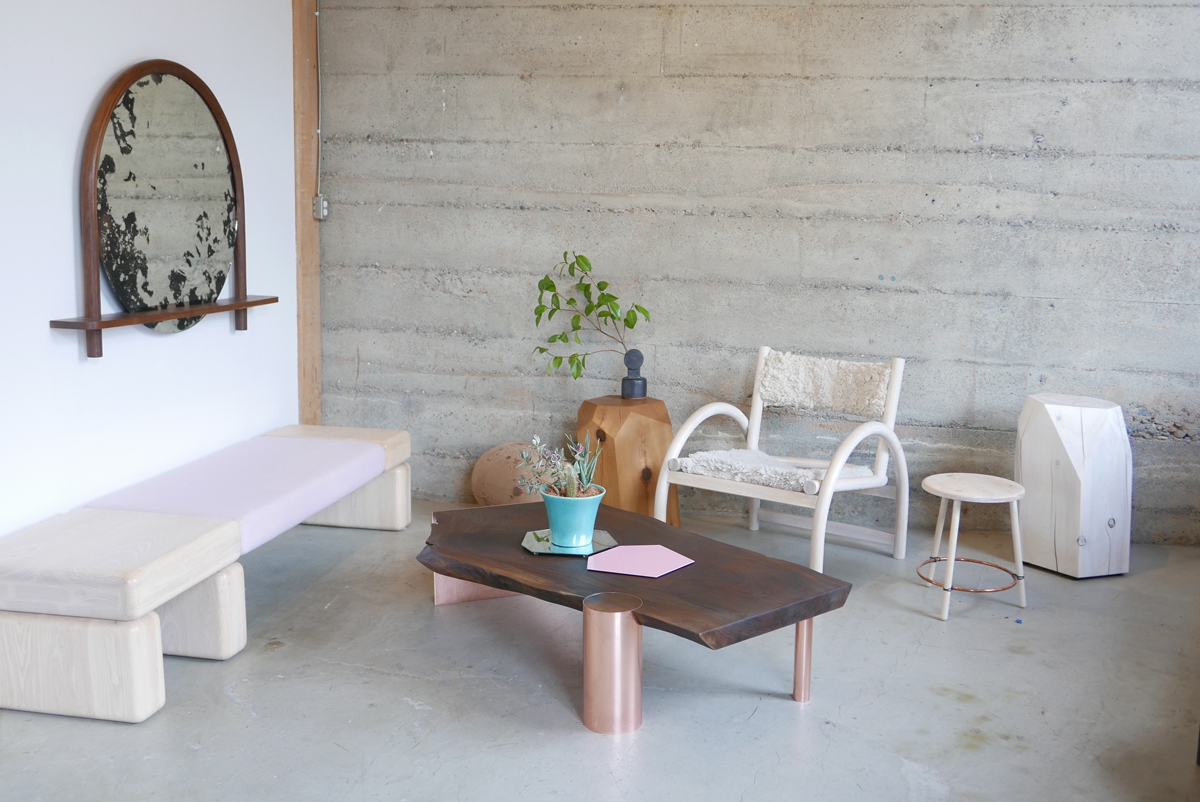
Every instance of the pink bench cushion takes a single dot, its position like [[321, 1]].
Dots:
[[268, 484]]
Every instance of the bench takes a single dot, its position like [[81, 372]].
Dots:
[[91, 600]]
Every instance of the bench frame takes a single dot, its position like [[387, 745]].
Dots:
[[113, 670]]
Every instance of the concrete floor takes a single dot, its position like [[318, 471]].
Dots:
[[354, 687]]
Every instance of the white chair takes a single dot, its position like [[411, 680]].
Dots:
[[868, 390]]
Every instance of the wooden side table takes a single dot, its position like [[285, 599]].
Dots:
[[635, 433]]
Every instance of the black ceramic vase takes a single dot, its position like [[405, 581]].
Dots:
[[633, 385]]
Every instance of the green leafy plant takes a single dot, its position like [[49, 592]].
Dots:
[[561, 474], [589, 306]]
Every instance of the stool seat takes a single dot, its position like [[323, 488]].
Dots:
[[973, 487]]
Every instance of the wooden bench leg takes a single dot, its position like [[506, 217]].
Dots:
[[208, 621], [88, 667], [382, 503]]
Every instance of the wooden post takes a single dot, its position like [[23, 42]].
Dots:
[[308, 236], [635, 434]]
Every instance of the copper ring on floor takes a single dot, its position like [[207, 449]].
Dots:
[[968, 560]]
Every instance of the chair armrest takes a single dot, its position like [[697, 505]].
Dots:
[[681, 437], [853, 440], [828, 486]]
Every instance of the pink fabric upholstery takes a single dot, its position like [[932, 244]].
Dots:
[[268, 484]]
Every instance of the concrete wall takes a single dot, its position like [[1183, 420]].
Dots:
[[1005, 195], [73, 428]]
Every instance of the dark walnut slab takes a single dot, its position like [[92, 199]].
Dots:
[[726, 596]]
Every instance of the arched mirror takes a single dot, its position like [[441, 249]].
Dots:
[[161, 206]]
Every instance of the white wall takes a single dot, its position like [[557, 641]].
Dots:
[[73, 428]]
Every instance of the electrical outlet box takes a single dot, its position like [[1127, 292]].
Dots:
[[320, 208]]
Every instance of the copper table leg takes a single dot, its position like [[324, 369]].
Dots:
[[448, 590], [612, 663], [803, 677]]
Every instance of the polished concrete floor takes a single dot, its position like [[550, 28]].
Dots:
[[353, 686]]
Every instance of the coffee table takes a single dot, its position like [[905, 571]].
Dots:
[[726, 596]]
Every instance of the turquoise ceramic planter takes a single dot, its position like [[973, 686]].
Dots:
[[572, 520]]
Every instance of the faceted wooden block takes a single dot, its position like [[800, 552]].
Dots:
[[1074, 460], [635, 434]]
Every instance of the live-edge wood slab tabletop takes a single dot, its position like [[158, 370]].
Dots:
[[726, 596]]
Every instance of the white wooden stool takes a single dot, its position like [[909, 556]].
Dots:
[[979, 489]]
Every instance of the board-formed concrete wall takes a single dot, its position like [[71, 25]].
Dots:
[[1006, 195]]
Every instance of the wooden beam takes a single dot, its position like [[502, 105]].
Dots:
[[308, 235]]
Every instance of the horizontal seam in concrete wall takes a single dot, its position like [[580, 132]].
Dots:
[[744, 7], [1053, 153], [546, 74], [778, 214]]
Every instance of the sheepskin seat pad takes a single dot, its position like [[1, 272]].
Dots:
[[755, 467]]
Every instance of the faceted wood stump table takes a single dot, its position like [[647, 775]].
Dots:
[[726, 596], [635, 434]]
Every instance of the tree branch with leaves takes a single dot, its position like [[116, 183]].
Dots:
[[590, 307]]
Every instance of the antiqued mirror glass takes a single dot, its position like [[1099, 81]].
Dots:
[[166, 200]]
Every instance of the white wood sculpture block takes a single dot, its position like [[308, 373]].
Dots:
[[208, 621], [1074, 460], [111, 564], [383, 503], [81, 666], [397, 445]]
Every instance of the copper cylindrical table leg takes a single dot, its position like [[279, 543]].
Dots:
[[803, 676], [612, 663]]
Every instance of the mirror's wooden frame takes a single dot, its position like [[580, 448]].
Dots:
[[93, 323]]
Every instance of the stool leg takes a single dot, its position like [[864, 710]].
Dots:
[[951, 551], [937, 538], [1016, 530]]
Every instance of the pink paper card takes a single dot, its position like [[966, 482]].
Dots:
[[651, 561]]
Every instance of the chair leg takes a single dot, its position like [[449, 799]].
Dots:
[[951, 553], [901, 544], [754, 514], [1016, 530], [937, 537], [820, 521]]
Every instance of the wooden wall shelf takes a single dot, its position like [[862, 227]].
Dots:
[[154, 316]]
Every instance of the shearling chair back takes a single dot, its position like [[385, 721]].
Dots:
[[817, 383]]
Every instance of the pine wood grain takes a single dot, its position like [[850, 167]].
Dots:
[[308, 230], [635, 434]]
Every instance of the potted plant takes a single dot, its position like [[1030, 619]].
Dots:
[[565, 481], [592, 308]]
